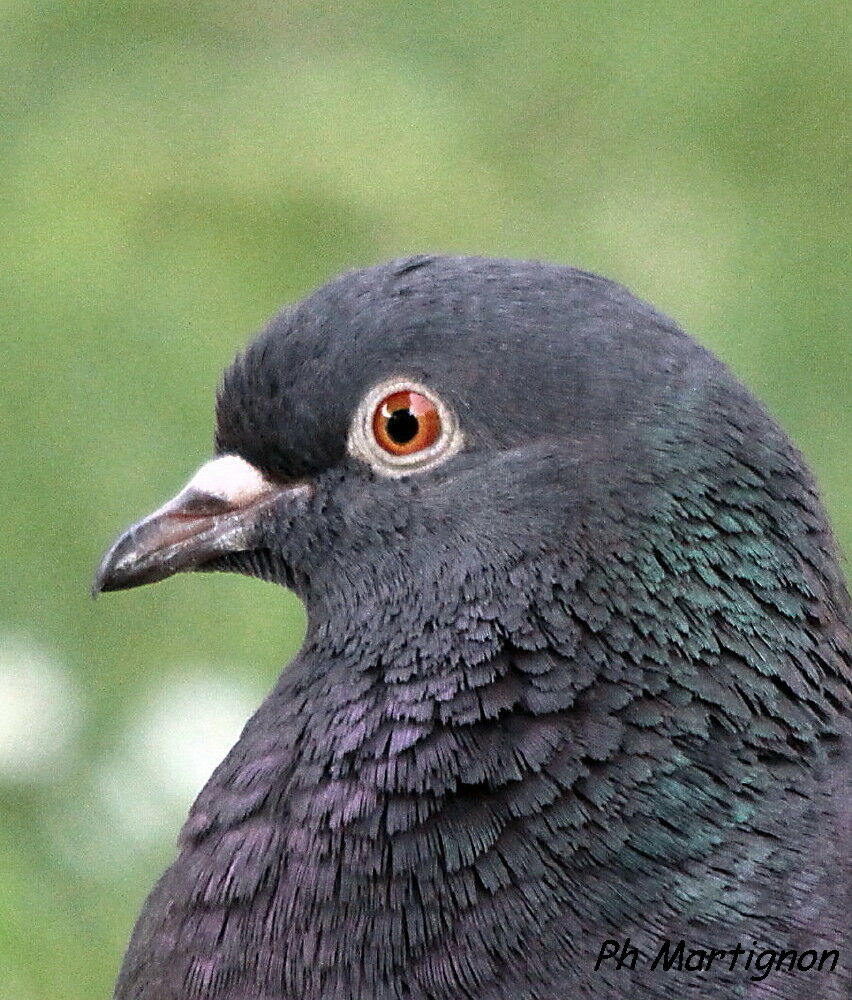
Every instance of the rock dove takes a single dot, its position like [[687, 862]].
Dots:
[[571, 718]]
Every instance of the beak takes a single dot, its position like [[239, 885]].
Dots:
[[222, 509]]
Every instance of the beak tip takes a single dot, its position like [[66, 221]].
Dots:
[[113, 572], [103, 577]]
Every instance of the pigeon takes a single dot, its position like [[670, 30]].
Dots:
[[572, 714]]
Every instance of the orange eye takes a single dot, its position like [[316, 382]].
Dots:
[[406, 422]]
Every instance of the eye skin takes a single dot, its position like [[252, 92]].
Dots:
[[402, 426]]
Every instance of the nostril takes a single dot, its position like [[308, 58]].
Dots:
[[196, 503]]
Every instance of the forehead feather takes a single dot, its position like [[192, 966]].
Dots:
[[513, 346]]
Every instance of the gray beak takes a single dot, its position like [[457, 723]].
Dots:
[[221, 510]]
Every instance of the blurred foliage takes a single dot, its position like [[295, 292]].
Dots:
[[171, 173]]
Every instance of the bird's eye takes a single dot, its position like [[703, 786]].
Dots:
[[402, 427], [406, 422]]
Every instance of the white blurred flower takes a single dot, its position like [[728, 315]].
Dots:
[[39, 712], [136, 798], [177, 737]]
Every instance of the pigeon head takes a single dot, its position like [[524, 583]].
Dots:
[[438, 424]]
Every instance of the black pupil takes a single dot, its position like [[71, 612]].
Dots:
[[402, 426]]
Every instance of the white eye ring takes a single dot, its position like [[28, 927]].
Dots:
[[362, 443]]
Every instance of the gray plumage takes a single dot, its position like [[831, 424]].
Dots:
[[587, 679]]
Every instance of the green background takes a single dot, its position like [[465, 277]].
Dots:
[[170, 173]]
